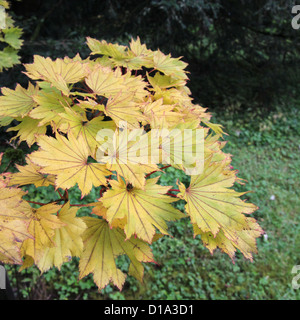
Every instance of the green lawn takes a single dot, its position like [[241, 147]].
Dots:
[[266, 153]]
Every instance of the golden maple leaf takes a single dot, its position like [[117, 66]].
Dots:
[[211, 205], [67, 159], [102, 245], [13, 224], [143, 209], [67, 239]]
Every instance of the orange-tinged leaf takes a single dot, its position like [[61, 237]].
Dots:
[[143, 209], [18, 102], [67, 159], [102, 245], [13, 224]]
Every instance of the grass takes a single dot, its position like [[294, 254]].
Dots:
[[266, 153]]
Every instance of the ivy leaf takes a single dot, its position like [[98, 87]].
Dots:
[[102, 245], [212, 206], [13, 224], [143, 209], [67, 239], [67, 159], [245, 241], [18, 102]]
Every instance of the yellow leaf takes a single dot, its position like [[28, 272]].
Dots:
[[30, 174], [143, 209], [122, 108], [18, 102], [28, 130], [13, 224], [143, 56], [42, 228], [104, 82], [173, 67], [68, 160], [165, 82], [245, 242], [212, 206], [107, 49], [59, 73], [78, 124], [102, 245], [49, 105], [68, 241], [122, 149], [155, 112]]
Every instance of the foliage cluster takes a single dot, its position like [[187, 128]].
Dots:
[[63, 108]]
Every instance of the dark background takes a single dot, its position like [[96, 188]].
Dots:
[[242, 55]]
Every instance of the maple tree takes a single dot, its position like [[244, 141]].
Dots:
[[66, 111]]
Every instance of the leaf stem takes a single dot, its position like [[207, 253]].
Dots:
[[149, 174]]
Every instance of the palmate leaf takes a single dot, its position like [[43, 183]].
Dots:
[[211, 205], [78, 124], [49, 105], [67, 159], [30, 174], [102, 245], [122, 109], [122, 149], [60, 73], [67, 239], [173, 67], [105, 82], [18, 102], [8, 58], [12, 37], [13, 224], [143, 210], [245, 241], [42, 228], [28, 130]]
